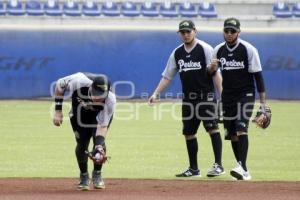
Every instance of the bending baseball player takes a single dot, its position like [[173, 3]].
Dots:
[[93, 105]]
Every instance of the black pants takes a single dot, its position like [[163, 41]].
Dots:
[[236, 115], [193, 112], [83, 133]]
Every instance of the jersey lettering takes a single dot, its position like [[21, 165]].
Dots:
[[187, 66], [231, 65]]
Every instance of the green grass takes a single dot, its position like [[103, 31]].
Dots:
[[141, 146]]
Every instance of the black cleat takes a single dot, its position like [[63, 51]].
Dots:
[[190, 173]]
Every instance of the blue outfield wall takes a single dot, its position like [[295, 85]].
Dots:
[[31, 60]]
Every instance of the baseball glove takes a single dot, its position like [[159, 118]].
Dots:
[[98, 156], [263, 117]]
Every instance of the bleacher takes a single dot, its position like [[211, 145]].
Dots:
[[151, 13], [263, 9], [130, 41]]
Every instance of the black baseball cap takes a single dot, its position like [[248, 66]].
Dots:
[[100, 86], [186, 25], [232, 23]]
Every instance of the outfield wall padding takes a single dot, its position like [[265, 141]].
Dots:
[[30, 60]]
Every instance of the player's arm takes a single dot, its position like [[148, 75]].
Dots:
[[211, 60], [263, 116], [163, 84], [213, 63], [217, 78], [212, 67], [101, 133], [167, 76], [104, 119], [68, 83], [98, 155], [59, 97], [256, 68], [60, 88], [260, 85]]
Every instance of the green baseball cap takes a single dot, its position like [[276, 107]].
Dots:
[[186, 25], [232, 23]]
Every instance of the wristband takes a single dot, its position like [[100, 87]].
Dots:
[[58, 103]]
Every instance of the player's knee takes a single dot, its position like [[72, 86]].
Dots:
[[80, 151], [241, 133], [241, 127], [213, 131], [190, 137], [211, 127]]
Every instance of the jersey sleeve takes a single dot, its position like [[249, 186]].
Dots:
[[214, 54], [171, 69], [253, 60], [208, 51], [73, 82], [104, 116], [216, 50]]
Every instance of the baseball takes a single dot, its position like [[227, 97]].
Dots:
[[98, 156]]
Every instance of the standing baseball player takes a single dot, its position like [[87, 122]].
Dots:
[[241, 69], [190, 60], [93, 105]]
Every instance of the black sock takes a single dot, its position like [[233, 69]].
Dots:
[[97, 167], [192, 148], [83, 167], [235, 149], [217, 147], [243, 147], [82, 159]]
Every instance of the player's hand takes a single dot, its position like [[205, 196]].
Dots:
[[58, 118], [152, 99], [98, 155], [263, 116], [261, 119], [213, 66]]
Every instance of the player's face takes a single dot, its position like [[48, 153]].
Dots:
[[97, 99], [187, 36], [231, 35]]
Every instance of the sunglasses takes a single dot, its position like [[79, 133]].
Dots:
[[230, 30]]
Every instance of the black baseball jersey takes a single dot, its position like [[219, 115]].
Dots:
[[237, 65], [191, 66], [82, 107]]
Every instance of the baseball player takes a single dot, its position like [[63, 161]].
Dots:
[[190, 60], [241, 69], [93, 105]]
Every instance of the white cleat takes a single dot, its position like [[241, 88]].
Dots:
[[240, 174]]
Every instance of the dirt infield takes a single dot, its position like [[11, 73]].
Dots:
[[50, 188]]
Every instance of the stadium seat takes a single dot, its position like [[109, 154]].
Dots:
[[71, 8], [188, 10], [149, 9], [296, 9], [281, 10], [15, 7], [52, 8], [207, 10], [111, 9], [2, 8], [33, 7], [129, 9], [167, 9], [90, 8]]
